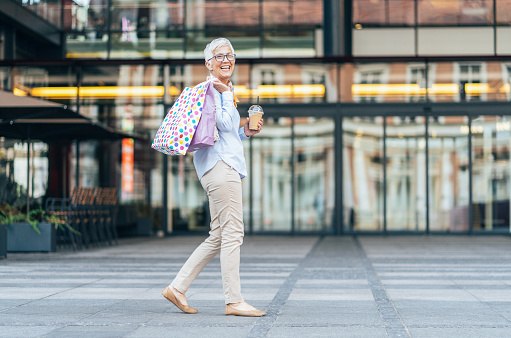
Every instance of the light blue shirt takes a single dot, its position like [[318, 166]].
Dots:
[[229, 148]]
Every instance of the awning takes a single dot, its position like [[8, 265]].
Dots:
[[28, 118]]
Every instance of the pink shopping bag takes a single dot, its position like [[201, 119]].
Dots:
[[205, 133], [177, 129]]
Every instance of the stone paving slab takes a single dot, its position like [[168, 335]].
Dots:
[[417, 286]]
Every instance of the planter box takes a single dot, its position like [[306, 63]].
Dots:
[[3, 241], [21, 237]]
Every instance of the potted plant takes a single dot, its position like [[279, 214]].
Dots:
[[34, 232]]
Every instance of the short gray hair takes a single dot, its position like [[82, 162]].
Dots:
[[210, 48]]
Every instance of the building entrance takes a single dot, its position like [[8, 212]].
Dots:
[[405, 173], [290, 187], [292, 179]]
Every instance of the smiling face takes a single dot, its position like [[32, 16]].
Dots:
[[221, 70]]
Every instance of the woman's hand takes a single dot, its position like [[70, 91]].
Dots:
[[250, 132], [220, 86]]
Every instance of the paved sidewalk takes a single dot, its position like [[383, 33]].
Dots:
[[420, 286]]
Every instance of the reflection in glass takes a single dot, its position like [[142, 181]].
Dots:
[[455, 12], [491, 139], [89, 164], [314, 174], [406, 173], [86, 29], [245, 189], [282, 43], [146, 16], [503, 11], [363, 173], [441, 85], [195, 74], [81, 16], [174, 82], [448, 173], [9, 150], [246, 42], [141, 29], [4, 78], [50, 83], [271, 176], [471, 73], [383, 13], [498, 80], [298, 13], [241, 81], [383, 82], [305, 83], [91, 45], [466, 81], [127, 97], [291, 28], [187, 200], [135, 89], [16, 160], [129, 46], [223, 14], [47, 9]]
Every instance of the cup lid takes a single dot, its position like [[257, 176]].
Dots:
[[256, 108]]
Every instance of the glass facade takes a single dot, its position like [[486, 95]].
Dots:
[[428, 12], [431, 27], [416, 142], [180, 29], [398, 171]]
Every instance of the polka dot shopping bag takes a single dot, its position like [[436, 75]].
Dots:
[[178, 127]]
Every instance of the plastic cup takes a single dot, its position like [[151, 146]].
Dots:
[[255, 113]]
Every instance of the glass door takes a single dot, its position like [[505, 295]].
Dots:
[[491, 140], [272, 176], [448, 173], [362, 173], [406, 173], [314, 174]]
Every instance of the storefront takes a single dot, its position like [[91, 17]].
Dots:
[[401, 146], [381, 116]]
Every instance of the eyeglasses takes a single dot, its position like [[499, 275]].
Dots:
[[221, 58]]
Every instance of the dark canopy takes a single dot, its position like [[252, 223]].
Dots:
[[28, 118]]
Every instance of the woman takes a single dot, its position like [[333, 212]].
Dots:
[[220, 169]]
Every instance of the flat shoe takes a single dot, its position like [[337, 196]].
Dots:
[[171, 297], [232, 311]]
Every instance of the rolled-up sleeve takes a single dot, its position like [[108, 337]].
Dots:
[[225, 113]]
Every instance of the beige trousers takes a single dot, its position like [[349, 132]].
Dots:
[[223, 186]]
